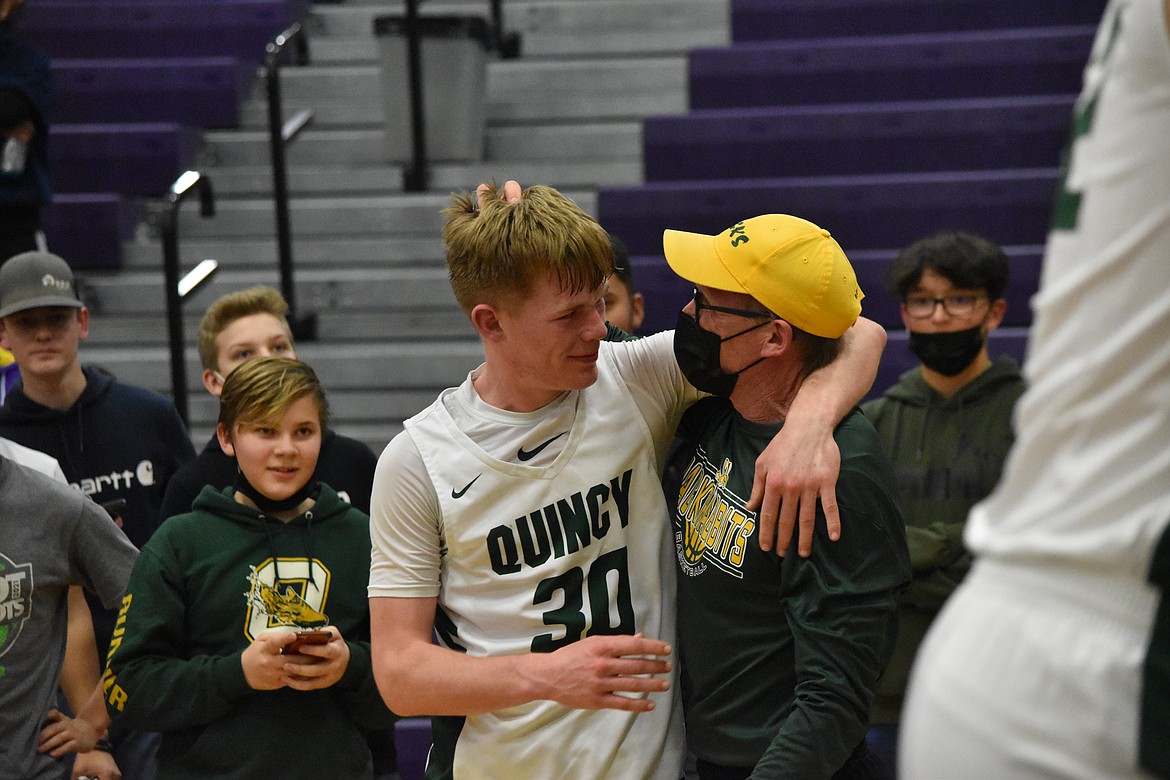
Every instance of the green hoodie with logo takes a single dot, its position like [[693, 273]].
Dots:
[[947, 454], [204, 586]]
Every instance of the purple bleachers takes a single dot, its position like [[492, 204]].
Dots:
[[129, 159], [884, 211], [198, 91], [158, 28], [413, 738], [88, 229], [904, 67], [763, 20], [972, 134]]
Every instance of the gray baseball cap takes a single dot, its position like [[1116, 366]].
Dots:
[[31, 280]]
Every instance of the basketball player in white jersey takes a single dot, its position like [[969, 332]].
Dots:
[[520, 517], [1053, 658]]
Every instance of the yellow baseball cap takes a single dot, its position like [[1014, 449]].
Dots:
[[791, 266]]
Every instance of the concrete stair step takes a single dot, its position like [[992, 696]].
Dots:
[[332, 325], [348, 405], [307, 251], [416, 214], [234, 181], [342, 289], [371, 366], [337, 146], [255, 181], [542, 90], [530, 140], [551, 28]]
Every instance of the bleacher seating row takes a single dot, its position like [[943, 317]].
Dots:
[[881, 120], [137, 81], [772, 20]]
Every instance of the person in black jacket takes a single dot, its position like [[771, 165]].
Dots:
[[27, 96], [236, 328]]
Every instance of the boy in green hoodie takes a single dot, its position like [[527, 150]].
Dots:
[[946, 424], [202, 649]]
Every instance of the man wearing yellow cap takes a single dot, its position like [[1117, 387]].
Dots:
[[780, 656]]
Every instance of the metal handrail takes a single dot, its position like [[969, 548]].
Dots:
[[170, 241], [416, 177], [507, 44], [280, 133]]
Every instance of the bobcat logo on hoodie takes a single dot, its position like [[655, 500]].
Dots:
[[297, 599]]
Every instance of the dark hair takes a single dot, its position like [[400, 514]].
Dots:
[[967, 260], [622, 267]]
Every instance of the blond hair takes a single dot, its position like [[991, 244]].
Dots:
[[263, 389], [501, 250], [231, 307]]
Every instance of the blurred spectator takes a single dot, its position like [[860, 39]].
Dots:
[[624, 305], [946, 424], [27, 94]]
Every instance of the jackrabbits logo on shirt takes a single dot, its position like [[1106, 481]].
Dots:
[[297, 599], [712, 526], [16, 588]]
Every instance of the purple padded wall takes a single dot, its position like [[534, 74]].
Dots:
[[980, 133], [158, 28], [903, 67], [763, 20], [884, 211], [199, 91], [130, 159], [88, 229]]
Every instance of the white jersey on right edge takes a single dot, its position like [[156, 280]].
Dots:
[[1087, 484], [1049, 660]]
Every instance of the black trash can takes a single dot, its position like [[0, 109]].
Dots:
[[453, 52]]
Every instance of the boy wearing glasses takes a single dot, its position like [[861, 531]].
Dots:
[[946, 424]]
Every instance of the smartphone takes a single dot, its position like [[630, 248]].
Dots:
[[306, 638], [114, 507]]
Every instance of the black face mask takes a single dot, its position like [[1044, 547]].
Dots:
[[697, 353], [269, 505], [947, 353]]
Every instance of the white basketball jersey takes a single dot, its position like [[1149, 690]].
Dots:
[[1088, 482], [537, 557]]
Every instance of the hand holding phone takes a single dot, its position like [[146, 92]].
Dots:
[[306, 638]]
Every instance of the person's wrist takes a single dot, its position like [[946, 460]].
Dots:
[[103, 744]]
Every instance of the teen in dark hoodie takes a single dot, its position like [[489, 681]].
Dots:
[[946, 424], [217, 594]]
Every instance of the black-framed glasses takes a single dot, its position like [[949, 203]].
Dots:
[[922, 306], [700, 304]]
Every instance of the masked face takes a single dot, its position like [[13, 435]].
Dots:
[[698, 354], [947, 353]]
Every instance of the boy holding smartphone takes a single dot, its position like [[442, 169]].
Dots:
[[219, 596]]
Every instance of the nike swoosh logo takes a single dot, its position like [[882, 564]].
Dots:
[[457, 494], [524, 454]]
